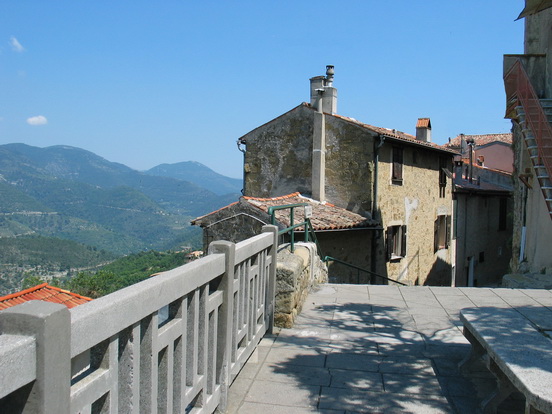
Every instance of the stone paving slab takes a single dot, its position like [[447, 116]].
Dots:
[[372, 349]]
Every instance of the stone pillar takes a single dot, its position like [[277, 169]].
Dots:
[[50, 324]]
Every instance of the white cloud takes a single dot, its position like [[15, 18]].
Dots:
[[15, 45], [37, 120]]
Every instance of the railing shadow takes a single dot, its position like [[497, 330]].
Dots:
[[372, 358]]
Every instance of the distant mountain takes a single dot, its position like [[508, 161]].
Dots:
[[199, 175], [71, 193]]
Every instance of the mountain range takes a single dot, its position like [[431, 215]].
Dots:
[[73, 194]]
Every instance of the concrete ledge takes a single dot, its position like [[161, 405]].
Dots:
[[520, 355], [527, 281]]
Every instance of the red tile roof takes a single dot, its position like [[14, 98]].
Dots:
[[398, 135], [480, 140], [46, 293], [423, 123], [325, 216]]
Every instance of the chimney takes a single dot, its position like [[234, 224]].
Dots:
[[322, 93], [423, 130]]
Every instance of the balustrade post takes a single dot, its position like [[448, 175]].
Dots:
[[225, 319], [50, 324], [271, 288]]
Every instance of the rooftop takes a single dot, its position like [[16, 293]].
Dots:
[[480, 140], [46, 293], [325, 216]]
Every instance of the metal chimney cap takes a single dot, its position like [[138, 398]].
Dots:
[[330, 70]]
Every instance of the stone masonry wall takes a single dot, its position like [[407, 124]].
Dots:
[[416, 203], [296, 274], [268, 173]]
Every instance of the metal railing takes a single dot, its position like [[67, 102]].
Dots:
[[292, 226], [310, 235], [518, 87], [115, 354]]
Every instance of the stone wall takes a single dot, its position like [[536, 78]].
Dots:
[[296, 274], [267, 172], [416, 203]]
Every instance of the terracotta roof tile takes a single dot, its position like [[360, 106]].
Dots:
[[392, 133], [46, 293], [480, 140], [325, 216], [423, 123]]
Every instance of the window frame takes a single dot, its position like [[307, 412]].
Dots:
[[396, 241], [442, 232], [397, 165]]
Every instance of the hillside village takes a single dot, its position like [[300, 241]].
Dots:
[[409, 277]]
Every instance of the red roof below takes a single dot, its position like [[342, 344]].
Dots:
[[43, 292]]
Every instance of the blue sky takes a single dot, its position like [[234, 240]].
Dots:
[[144, 83]]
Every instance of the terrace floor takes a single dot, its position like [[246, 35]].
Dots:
[[374, 349]]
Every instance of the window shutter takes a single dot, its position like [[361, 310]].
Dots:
[[403, 240], [447, 240], [436, 235], [389, 240]]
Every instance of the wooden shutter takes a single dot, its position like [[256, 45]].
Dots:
[[389, 241], [447, 239], [403, 240], [436, 235]]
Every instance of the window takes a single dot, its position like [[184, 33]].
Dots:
[[396, 242], [502, 213], [397, 172], [443, 165], [441, 233]]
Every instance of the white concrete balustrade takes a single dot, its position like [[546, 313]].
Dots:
[[116, 354]]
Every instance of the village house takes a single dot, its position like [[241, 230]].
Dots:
[[492, 151], [401, 181], [528, 88], [340, 233]]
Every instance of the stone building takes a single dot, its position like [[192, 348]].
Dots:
[[339, 232], [400, 180], [493, 151], [482, 228], [528, 85]]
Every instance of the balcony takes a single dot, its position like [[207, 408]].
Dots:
[[354, 348]]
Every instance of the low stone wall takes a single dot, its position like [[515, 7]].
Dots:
[[296, 274]]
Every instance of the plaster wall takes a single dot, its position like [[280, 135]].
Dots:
[[478, 236], [529, 209], [498, 156], [416, 203]]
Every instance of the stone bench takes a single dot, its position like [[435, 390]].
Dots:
[[520, 354]]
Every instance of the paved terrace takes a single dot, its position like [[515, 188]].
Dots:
[[362, 348]]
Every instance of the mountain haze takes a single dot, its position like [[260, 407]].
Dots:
[[200, 175], [71, 193]]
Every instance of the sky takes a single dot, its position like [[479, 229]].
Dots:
[[144, 83]]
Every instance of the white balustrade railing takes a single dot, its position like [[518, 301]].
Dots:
[[117, 354]]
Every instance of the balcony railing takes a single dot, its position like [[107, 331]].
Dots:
[[117, 354]]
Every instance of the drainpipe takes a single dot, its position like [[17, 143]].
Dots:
[[375, 214], [240, 143]]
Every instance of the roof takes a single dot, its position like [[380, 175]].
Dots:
[[396, 135], [463, 184], [480, 140], [388, 133], [423, 123], [325, 216], [43, 292]]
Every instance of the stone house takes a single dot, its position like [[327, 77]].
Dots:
[[339, 232], [482, 228], [401, 180], [528, 86], [493, 151]]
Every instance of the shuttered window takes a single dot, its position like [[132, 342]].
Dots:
[[397, 173]]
